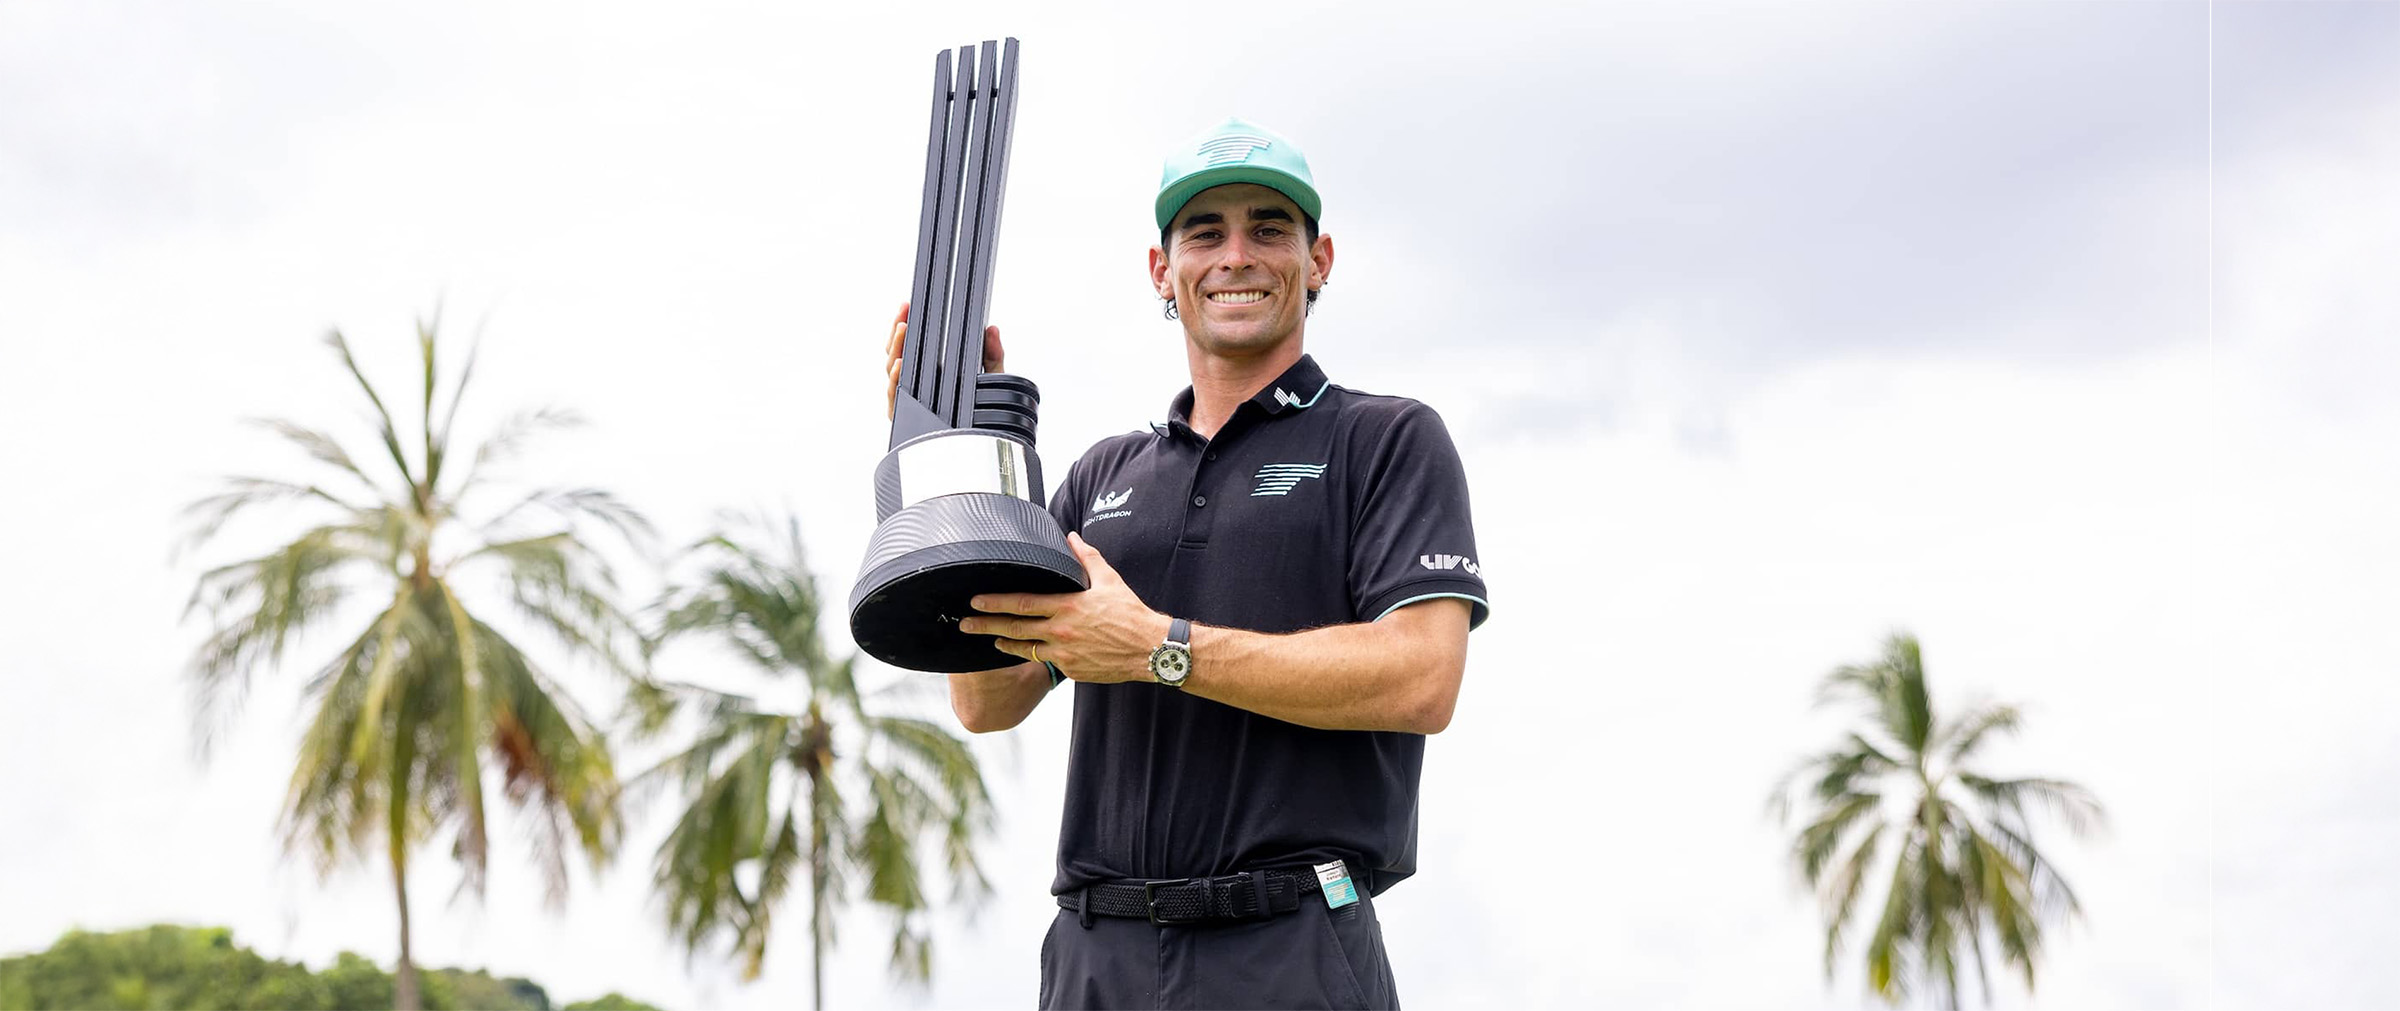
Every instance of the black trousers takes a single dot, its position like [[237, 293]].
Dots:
[[1311, 957]]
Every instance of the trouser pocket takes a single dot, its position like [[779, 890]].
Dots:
[[1341, 971]]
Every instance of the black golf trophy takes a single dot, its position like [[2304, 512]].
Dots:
[[958, 499]]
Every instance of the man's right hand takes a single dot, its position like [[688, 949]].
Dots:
[[993, 359]]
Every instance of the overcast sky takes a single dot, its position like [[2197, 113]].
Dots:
[[2060, 334]]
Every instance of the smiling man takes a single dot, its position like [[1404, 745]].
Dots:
[[1283, 576]]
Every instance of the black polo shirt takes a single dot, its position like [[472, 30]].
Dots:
[[1314, 505]]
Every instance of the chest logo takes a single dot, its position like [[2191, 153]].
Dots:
[[1111, 500], [1281, 478]]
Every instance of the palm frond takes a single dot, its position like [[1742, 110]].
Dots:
[[1817, 842], [508, 440], [332, 803], [383, 417], [561, 585], [724, 827], [319, 446], [1937, 917], [2005, 891], [774, 880], [551, 754], [1969, 732], [1840, 895], [2048, 890], [2070, 803], [260, 606], [1888, 957], [573, 506], [383, 677], [885, 849], [432, 452], [1832, 775], [962, 802], [458, 395], [206, 516], [469, 712]]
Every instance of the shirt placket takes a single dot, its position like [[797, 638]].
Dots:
[[1201, 503]]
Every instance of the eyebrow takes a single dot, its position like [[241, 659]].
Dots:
[[1256, 214]]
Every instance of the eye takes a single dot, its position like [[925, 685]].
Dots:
[[1270, 232]]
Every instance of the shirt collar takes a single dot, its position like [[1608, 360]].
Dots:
[[1297, 389]]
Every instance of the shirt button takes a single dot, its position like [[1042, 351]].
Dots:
[[1199, 500], [1212, 454]]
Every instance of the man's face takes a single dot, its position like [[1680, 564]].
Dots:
[[1239, 266]]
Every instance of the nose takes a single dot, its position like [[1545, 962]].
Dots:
[[1238, 253]]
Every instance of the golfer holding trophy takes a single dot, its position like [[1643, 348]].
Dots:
[[1263, 600]]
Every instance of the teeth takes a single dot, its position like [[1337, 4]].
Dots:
[[1237, 297]]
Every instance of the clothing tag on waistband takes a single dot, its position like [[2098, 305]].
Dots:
[[1334, 878]]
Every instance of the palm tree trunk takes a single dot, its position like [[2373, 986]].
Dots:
[[404, 975], [816, 900], [817, 739]]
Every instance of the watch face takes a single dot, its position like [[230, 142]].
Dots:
[[1170, 664]]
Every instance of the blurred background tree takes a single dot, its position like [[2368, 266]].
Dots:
[[425, 699], [1962, 865], [843, 790]]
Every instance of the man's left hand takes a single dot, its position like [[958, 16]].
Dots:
[[1102, 635]]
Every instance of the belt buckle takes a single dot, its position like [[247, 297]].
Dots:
[[1150, 899]]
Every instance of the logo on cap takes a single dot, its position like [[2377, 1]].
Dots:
[[1231, 148]]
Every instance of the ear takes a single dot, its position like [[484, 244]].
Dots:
[[1320, 261], [1158, 273]]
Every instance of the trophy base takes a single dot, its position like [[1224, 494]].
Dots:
[[928, 559]]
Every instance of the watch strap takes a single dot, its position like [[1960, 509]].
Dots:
[[1179, 632]]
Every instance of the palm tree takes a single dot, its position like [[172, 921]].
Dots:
[[417, 705], [846, 788], [1962, 863]]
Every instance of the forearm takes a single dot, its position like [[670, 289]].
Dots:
[[1386, 675], [991, 700]]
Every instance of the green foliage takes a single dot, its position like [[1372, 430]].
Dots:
[[173, 968], [354, 982], [155, 967], [610, 1002], [461, 990], [1896, 801], [768, 796]]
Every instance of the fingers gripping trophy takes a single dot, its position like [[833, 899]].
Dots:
[[958, 499]]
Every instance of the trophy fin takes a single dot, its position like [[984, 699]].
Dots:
[[911, 419]]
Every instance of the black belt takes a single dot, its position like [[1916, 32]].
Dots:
[[1248, 895]]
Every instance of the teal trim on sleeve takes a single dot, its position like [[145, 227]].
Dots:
[[1056, 675], [1487, 605]]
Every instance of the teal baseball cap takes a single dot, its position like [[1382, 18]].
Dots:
[[1235, 151]]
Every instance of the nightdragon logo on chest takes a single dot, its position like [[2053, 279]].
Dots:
[[1281, 478], [1109, 506]]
